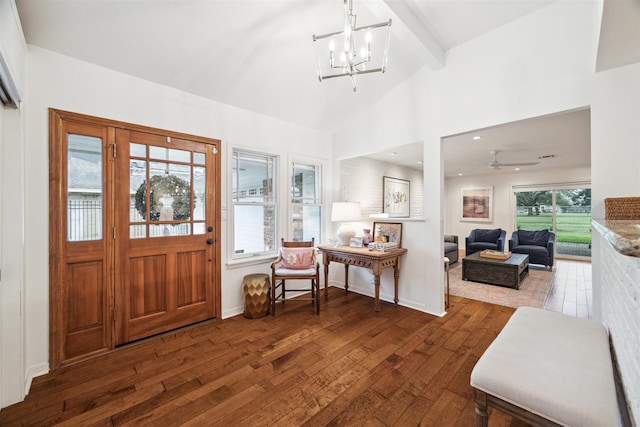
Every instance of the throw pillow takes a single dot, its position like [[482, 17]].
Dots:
[[297, 258], [449, 239], [490, 236]]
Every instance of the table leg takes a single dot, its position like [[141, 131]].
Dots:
[[346, 278], [376, 306], [396, 278], [326, 279]]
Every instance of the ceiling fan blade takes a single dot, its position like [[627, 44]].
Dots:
[[519, 164]]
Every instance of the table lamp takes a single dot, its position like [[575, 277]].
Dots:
[[345, 212]]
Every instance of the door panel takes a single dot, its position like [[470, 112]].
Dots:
[[81, 283], [85, 299], [166, 256]]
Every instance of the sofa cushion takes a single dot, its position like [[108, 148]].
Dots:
[[490, 236], [533, 237]]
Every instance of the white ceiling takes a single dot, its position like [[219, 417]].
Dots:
[[258, 54]]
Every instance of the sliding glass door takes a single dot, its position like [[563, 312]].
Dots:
[[567, 212]]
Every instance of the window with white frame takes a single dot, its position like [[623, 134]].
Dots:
[[306, 201], [254, 202]]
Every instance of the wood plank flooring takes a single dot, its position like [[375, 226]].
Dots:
[[347, 366]]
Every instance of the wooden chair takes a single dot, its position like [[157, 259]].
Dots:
[[296, 261]]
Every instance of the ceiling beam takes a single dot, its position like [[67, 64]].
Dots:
[[408, 27]]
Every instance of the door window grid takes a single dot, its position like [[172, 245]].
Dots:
[[180, 176]]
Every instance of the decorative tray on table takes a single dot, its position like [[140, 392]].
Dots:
[[490, 253]]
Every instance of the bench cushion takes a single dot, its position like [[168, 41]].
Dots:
[[553, 365]]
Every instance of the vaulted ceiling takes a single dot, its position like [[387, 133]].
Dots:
[[258, 54]]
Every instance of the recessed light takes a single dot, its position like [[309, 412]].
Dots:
[[460, 174], [393, 153], [477, 137], [516, 169], [419, 162]]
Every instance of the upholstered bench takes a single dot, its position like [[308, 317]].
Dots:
[[548, 369]]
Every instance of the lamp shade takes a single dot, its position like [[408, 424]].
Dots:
[[345, 211]]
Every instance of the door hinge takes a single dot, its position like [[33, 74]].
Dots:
[[114, 314], [115, 150], [168, 140], [214, 150], [114, 233]]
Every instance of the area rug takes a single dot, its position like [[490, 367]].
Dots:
[[532, 293]]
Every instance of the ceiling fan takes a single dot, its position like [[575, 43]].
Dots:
[[495, 164]]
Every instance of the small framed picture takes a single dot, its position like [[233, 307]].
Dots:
[[355, 242], [388, 232]]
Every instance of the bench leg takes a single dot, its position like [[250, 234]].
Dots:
[[480, 397]]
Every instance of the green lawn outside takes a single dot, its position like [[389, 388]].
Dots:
[[572, 228]]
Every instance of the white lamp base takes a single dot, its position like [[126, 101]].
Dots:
[[345, 233]]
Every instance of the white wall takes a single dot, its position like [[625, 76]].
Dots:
[[57, 81], [503, 200], [361, 181], [540, 64], [12, 221]]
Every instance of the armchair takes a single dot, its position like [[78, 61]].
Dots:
[[296, 261], [481, 239], [538, 244]]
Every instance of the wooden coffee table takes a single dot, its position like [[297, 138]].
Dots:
[[510, 272]]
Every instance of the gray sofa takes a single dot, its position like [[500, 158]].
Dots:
[[451, 248]]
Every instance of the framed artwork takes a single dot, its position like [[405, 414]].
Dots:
[[477, 204], [389, 231], [395, 197]]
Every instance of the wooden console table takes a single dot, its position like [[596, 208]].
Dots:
[[363, 257]]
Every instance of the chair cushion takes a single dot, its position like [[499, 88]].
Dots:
[[295, 272], [490, 236], [533, 237], [297, 258]]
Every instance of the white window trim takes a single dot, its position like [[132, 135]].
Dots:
[[233, 260], [323, 168]]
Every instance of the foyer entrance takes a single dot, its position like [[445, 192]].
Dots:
[[134, 233]]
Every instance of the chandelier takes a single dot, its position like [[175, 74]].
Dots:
[[351, 51]]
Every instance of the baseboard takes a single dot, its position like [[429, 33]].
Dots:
[[370, 292], [33, 372]]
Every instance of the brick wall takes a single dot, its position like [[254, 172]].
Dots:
[[620, 289], [361, 181]]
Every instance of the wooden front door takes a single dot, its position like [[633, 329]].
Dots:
[[134, 233], [166, 233]]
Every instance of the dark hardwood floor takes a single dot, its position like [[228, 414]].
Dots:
[[347, 366]]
